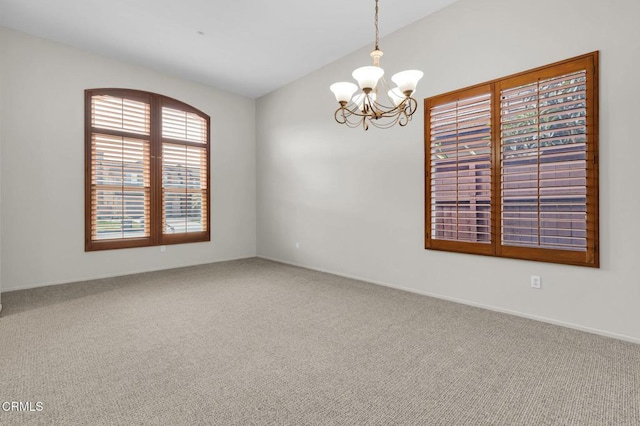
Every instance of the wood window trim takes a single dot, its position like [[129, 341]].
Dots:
[[590, 257], [156, 237]]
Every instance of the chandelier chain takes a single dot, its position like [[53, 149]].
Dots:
[[376, 21]]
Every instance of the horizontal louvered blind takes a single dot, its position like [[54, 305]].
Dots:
[[460, 170], [184, 172], [120, 169], [544, 163], [184, 200], [110, 112], [183, 125]]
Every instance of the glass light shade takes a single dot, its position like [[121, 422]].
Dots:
[[396, 96], [368, 77], [407, 80], [343, 90]]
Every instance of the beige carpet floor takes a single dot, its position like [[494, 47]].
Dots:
[[254, 342]]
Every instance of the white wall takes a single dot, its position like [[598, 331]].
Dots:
[[354, 201], [42, 168]]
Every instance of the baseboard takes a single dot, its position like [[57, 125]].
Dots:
[[100, 277], [467, 302]]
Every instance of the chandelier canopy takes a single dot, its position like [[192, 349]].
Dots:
[[377, 103]]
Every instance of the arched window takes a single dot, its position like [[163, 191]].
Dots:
[[146, 170]]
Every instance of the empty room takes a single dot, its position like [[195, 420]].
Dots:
[[366, 212]]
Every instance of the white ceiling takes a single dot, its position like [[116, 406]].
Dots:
[[248, 47]]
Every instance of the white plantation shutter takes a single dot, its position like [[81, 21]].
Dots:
[[120, 190], [184, 189], [511, 166], [147, 172], [120, 169], [110, 112], [184, 172], [544, 163], [183, 125], [460, 169]]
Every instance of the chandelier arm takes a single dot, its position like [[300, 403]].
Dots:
[[373, 112], [384, 124], [412, 105], [407, 107], [404, 118], [352, 120], [386, 110], [340, 116], [356, 111], [394, 122], [366, 108], [353, 125]]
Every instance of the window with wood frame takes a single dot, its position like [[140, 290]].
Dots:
[[511, 166], [146, 170]]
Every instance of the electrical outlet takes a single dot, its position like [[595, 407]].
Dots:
[[536, 281], [297, 245], [163, 249]]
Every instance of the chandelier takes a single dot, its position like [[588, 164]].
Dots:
[[377, 103]]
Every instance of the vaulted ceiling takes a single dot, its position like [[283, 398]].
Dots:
[[247, 47]]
